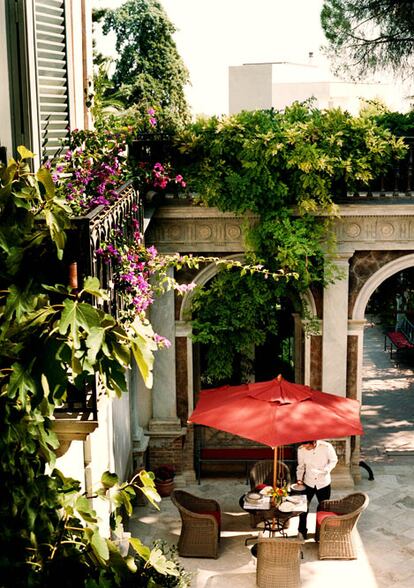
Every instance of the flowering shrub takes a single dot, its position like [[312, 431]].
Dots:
[[139, 274], [91, 169]]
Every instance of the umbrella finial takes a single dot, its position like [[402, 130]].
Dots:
[[279, 378]]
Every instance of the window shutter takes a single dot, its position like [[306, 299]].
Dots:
[[52, 74]]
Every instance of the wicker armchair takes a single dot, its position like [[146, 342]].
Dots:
[[335, 521], [200, 531], [262, 473], [278, 563]]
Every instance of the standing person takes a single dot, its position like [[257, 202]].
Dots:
[[316, 460]]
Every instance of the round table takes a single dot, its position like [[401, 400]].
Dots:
[[275, 520]]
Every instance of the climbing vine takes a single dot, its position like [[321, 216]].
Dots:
[[281, 171]]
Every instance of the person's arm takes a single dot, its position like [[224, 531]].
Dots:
[[332, 459], [300, 470]]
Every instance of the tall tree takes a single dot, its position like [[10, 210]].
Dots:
[[369, 35], [149, 70]]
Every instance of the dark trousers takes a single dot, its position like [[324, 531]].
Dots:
[[321, 494]]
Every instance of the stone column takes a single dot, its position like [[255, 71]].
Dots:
[[164, 428], [163, 389], [356, 329], [334, 357], [335, 330]]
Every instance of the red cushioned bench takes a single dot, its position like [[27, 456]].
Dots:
[[246, 455], [398, 340]]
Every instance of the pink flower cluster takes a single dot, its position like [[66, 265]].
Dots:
[[139, 274], [161, 177], [133, 268], [151, 118], [89, 172]]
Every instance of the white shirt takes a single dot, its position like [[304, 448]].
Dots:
[[315, 465]]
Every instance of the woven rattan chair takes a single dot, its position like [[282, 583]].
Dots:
[[262, 473], [278, 562], [200, 531], [334, 530]]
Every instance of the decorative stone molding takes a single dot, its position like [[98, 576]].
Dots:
[[375, 228], [192, 228], [68, 430]]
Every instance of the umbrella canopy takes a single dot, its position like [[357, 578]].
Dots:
[[277, 412]]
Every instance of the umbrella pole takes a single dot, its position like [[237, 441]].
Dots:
[[274, 467], [273, 530]]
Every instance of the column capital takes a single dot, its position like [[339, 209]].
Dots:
[[340, 257], [356, 325]]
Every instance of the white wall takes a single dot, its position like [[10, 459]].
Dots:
[[121, 434], [251, 87]]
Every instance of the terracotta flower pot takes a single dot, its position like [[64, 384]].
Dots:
[[164, 487]]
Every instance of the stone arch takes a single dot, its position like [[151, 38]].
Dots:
[[207, 273], [356, 326], [302, 343], [386, 271]]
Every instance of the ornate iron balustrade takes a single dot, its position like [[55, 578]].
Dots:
[[396, 183], [95, 229], [88, 234]]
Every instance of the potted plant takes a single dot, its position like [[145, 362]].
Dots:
[[164, 479]]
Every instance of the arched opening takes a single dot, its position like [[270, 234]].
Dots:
[[386, 382], [280, 352]]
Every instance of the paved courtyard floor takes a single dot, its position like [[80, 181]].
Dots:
[[385, 532]]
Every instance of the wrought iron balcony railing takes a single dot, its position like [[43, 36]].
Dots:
[[88, 234], [396, 183]]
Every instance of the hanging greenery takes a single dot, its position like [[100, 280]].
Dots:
[[281, 171]]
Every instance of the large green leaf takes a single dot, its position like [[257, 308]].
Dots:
[[82, 505], [55, 222], [109, 479], [21, 384], [92, 286], [140, 548], [24, 152], [76, 316], [94, 342], [143, 347], [44, 176], [100, 547], [19, 302], [164, 566]]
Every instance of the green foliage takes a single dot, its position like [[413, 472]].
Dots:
[[285, 168], [369, 35], [149, 578], [149, 71], [282, 171], [262, 160], [51, 339], [232, 315]]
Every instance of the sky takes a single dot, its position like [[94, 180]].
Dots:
[[215, 34]]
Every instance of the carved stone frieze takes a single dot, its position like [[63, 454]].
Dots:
[[375, 232], [192, 229]]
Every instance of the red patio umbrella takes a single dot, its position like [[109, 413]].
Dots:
[[277, 413]]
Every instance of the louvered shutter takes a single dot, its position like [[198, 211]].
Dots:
[[52, 73]]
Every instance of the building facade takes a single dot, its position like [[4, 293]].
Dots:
[[254, 86]]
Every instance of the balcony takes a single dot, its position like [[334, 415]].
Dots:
[[395, 185], [77, 417]]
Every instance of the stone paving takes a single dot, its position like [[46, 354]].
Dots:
[[385, 533]]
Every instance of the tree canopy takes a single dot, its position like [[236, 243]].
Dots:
[[369, 35], [148, 70]]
